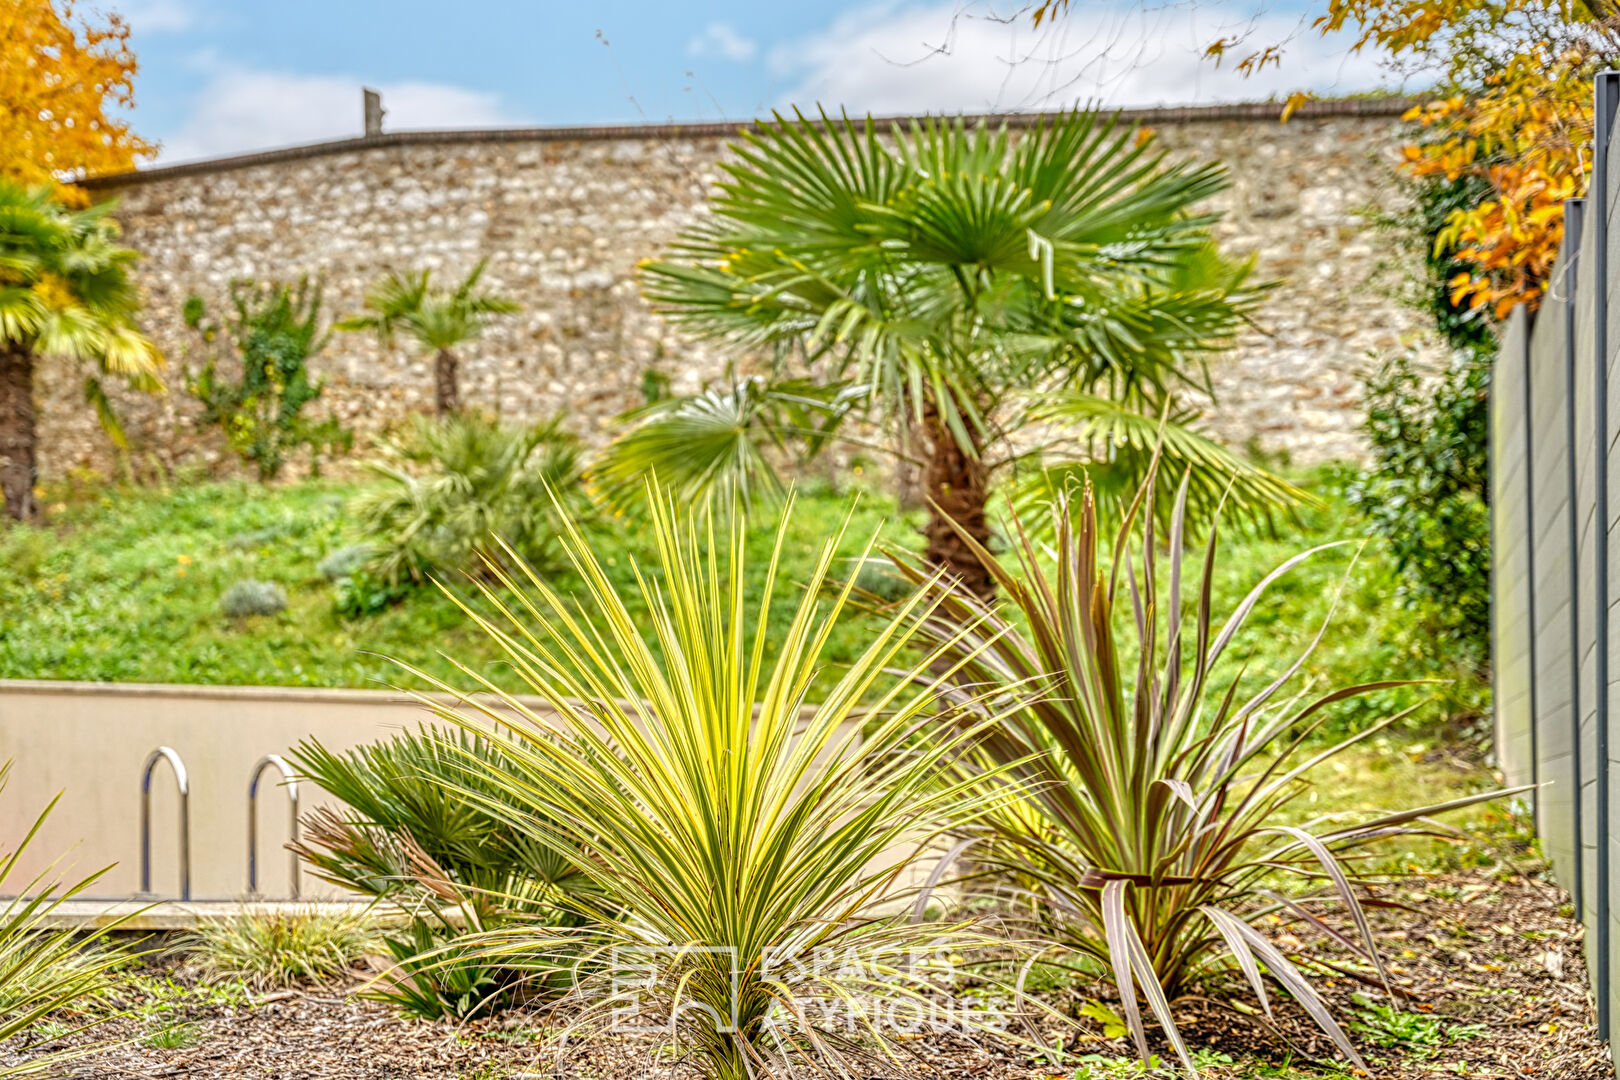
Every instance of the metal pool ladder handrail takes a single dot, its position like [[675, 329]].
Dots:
[[291, 778], [164, 753]]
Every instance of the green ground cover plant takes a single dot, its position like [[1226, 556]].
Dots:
[[124, 583]]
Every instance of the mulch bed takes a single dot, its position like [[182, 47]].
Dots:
[[1491, 959]]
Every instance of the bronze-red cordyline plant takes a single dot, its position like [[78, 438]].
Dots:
[[1152, 833]]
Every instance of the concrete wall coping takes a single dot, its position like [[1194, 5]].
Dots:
[[311, 694], [1179, 114]]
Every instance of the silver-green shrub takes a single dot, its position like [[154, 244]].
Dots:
[[251, 597]]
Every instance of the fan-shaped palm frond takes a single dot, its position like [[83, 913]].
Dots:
[[719, 443], [456, 489], [1112, 447]]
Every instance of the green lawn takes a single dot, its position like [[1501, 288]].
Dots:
[[124, 584]]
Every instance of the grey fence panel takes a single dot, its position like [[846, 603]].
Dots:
[[1513, 610], [1549, 525], [1583, 447], [1555, 581]]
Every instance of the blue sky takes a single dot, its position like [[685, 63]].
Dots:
[[225, 76]]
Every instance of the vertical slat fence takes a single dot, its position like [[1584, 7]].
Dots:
[[1555, 523]]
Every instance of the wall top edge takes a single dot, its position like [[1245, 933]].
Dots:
[[327, 695], [1179, 114]]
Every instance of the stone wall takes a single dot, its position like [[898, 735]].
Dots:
[[563, 215]]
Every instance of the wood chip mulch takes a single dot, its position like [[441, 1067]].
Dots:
[[1490, 967]]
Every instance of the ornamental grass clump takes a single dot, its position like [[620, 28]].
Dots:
[[1150, 841], [737, 829], [274, 949]]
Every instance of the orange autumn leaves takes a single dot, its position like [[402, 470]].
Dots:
[[1527, 134], [1519, 117], [63, 80], [1516, 113]]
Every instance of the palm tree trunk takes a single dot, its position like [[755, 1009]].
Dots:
[[17, 435], [446, 384], [957, 485]]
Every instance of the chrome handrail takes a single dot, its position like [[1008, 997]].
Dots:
[[164, 753], [291, 779]]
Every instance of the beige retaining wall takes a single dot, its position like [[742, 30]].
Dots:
[[90, 740]]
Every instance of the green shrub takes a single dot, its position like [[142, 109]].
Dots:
[[454, 490], [1150, 833], [273, 331], [250, 597], [344, 561], [436, 978], [365, 592], [267, 950], [423, 816], [1427, 487]]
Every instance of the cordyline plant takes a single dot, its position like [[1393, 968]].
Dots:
[[1151, 836], [739, 831]]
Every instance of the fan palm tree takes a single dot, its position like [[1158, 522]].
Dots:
[[65, 294], [438, 320], [951, 279]]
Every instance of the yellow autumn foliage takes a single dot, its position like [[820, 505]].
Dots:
[[63, 80]]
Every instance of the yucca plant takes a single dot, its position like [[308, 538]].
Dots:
[[45, 969], [451, 487], [1152, 839], [734, 827]]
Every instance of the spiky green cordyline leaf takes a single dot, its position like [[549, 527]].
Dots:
[[721, 809], [1152, 821]]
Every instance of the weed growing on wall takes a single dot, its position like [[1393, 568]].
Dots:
[[270, 336]]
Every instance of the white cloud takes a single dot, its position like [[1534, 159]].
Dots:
[[951, 57], [721, 39], [238, 111], [156, 16]]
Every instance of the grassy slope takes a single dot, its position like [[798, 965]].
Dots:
[[125, 585]]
